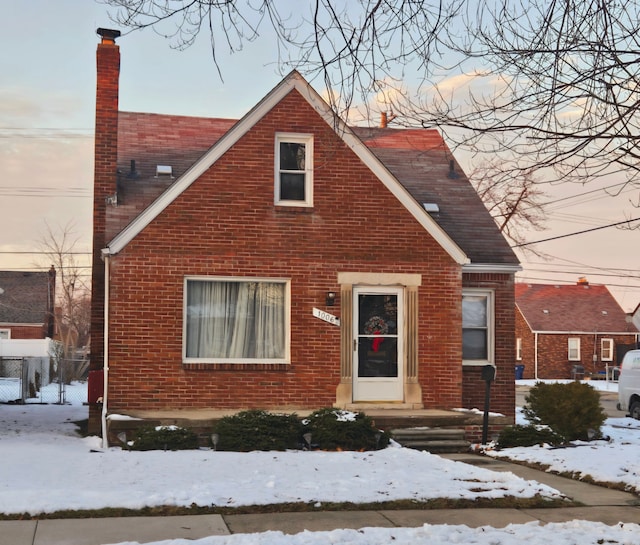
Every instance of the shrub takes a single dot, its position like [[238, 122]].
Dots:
[[335, 429], [258, 430], [526, 436], [571, 410], [165, 438]]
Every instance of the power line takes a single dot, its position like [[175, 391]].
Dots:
[[44, 253], [576, 233]]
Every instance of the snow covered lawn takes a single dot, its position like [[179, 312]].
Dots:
[[43, 459], [47, 467]]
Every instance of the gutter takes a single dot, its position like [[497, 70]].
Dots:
[[105, 364]]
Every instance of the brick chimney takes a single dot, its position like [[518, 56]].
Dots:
[[104, 181]]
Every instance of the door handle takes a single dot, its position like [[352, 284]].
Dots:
[[355, 344]]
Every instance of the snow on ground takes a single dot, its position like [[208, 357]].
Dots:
[[569, 533], [47, 467]]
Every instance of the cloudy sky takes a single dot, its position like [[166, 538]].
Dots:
[[46, 138]]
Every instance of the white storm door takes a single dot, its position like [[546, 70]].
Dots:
[[377, 344]]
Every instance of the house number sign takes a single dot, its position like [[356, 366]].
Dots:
[[326, 316]]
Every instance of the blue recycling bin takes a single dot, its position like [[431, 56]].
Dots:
[[519, 372]]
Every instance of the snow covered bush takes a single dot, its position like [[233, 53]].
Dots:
[[571, 410], [164, 438], [258, 430], [335, 429]]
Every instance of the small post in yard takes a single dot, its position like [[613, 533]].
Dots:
[[488, 375]]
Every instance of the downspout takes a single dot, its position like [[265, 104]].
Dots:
[[105, 363], [535, 355]]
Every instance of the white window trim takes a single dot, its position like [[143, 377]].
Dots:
[[297, 138], [604, 342], [491, 333], [287, 317], [519, 349], [575, 341]]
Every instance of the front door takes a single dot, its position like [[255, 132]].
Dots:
[[377, 344]]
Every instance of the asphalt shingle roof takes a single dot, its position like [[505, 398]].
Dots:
[[24, 297], [574, 308], [418, 158]]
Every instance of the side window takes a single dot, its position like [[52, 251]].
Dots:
[[606, 349], [574, 349], [5, 333], [477, 327], [294, 170], [518, 348]]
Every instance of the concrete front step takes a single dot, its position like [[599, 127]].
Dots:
[[436, 440]]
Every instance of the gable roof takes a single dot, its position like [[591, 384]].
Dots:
[[408, 162], [24, 297], [578, 308]]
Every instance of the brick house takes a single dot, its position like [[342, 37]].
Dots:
[[570, 331], [27, 304], [286, 261]]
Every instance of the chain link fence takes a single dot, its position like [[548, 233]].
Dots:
[[43, 380]]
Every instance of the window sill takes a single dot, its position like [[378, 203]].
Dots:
[[200, 366]]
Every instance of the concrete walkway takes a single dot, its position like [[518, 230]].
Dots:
[[599, 504]]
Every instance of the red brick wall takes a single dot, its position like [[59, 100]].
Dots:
[[26, 331], [553, 352], [528, 346], [226, 224], [502, 398]]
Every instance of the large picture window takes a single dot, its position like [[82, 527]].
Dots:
[[236, 320], [477, 324], [294, 170]]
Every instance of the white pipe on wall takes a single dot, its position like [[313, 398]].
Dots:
[[535, 355], [105, 364]]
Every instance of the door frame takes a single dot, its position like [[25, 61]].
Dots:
[[379, 389]]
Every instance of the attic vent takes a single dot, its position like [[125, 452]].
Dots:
[[546, 311], [164, 171], [431, 207], [604, 313]]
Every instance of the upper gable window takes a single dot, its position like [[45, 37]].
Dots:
[[294, 170]]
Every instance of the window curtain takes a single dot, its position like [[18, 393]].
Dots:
[[235, 320]]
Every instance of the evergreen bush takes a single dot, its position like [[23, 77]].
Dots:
[[165, 438], [335, 429], [571, 410], [258, 430], [526, 436]]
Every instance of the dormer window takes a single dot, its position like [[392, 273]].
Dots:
[[294, 170]]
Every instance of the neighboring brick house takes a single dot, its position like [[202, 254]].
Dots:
[[286, 261], [27, 304], [569, 331]]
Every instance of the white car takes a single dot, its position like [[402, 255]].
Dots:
[[629, 384]]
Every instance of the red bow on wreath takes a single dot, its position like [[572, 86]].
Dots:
[[377, 341]]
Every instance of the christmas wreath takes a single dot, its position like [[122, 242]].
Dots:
[[374, 325]]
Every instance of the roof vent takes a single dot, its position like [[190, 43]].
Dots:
[[431, 207], [133, 174], [163, 171], [452, 171]]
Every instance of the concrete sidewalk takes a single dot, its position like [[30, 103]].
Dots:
[[599, 504]]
